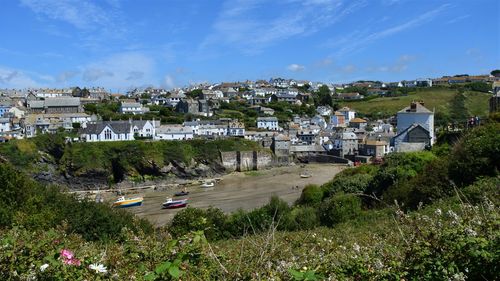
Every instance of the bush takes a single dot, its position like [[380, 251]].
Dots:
[[27, 203], [357, 183], [303, 218], [397, 167], [212, 221], [476, 154], [482, 189], [311, 195], [428, 186], [340, 208]]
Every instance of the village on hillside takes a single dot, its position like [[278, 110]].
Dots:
[[299, 119]]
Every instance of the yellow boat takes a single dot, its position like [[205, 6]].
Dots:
[[131, 202]]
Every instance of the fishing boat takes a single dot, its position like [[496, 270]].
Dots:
[[181, 193], [131, 202], [305, 175], [173, 204], [208, 184]]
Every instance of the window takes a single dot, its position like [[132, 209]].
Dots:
[[107, 134]]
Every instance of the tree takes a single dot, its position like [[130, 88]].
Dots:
[[323, 96], [495, 72]]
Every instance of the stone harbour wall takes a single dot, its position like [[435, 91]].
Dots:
[[246, 160]]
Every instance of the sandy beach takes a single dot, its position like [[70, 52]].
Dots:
[[246, 190]]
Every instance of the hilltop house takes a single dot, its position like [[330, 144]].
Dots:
[[268, 123], [133, 108], [117, 130], [415, 128], [55, 105], [173, 132]]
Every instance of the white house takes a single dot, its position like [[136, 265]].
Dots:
[[107, 131], [348, 113], [268, 123], [117, 130], [133, 108], [144, 128], [5, 125], [173, 132], [415, 128]]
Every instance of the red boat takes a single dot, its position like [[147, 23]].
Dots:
[[174, 204]]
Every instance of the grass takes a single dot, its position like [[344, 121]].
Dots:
[[435, 98]]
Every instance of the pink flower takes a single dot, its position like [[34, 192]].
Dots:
[[68, 258], [67, 254]]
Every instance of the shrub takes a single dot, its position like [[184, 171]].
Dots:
[[340, 208], [482, 189], [348, 184], [311, 195], [476, 154], [428, 186], [303, 218]]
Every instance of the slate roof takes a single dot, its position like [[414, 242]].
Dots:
[[271, 119], [118, 127], [36, 104], [55, 102], [419, 108]]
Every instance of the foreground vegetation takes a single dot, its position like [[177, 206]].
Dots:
[[444, 226]]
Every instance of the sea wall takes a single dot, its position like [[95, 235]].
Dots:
[[246, 160]]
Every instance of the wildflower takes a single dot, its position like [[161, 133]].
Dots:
[[378, 264], [453, 216], [72, 262], [43, 267], [67, 254], [69, 258], [304, 268], [356, 247], [458, 277], [438, 212], [470, 232], [99, 268]]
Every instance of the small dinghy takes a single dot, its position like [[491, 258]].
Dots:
[[173, 204], [208, 184]]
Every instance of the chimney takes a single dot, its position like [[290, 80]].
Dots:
[[413, 106]]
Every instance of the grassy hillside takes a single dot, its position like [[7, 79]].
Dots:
[[434, 98]]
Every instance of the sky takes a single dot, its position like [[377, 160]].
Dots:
[[123, 44]]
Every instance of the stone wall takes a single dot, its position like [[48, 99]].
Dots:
[[246, 160]]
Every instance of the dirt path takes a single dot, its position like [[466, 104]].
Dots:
[[238, 190]]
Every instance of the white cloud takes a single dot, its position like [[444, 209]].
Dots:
[[358, 40], [94, 74], [348, 69], [168, 81], [457, 19], [295, 67], [12, 78], [66, 75], [242, 23], [80, 13], [116, 71]]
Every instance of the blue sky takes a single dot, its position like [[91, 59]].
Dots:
[[122, 44]]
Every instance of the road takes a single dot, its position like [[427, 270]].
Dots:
[[246, 190]]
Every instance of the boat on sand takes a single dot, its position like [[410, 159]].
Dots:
[[173, 204], [208, 184], [130, 202]]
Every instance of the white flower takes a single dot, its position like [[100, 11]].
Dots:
[[356, 247], [99, 268], [43, 267], [438, 212], [378, 264], [470, 232], [453, 216]]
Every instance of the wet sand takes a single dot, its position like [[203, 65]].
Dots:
[[246, 190]]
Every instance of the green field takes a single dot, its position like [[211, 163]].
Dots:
[[435, 98]]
